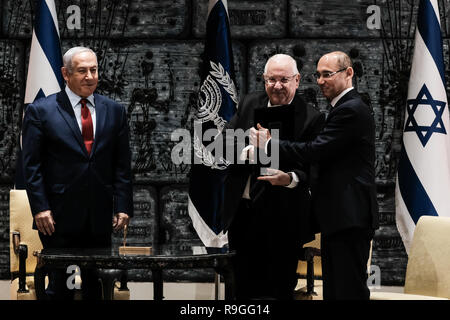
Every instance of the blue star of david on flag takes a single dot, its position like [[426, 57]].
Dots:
[[424, 98]]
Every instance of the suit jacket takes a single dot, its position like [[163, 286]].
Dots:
[[294, 202], [78, 188], [345, 195]]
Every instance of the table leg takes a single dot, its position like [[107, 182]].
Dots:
[[157, 284], [228, 274], [39, 283], [108, 278]]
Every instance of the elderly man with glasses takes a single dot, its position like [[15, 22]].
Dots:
[[267, 230], [345, 204]]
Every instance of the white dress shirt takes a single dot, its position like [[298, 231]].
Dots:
[[76, 105], [339, 96]]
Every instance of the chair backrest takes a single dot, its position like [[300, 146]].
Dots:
[[21, 220], [428, 269]]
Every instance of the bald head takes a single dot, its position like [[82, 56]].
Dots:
[[339, 65], [341, 59]]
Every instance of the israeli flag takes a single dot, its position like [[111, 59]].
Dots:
[[216, 105], [423, 177], [44, 68]]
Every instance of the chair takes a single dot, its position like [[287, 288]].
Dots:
[[427, 271], [23, 242], [310, 268]]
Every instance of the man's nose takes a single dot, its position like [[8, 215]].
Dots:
[[278, 85], [320, 80], [89, 75]]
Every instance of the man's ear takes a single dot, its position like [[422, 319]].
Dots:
[[64, 72], [350, 72], [298, 77]]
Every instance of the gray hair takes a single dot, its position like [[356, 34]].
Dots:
[[280, 57], [68, 56]]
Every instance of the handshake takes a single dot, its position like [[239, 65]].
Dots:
[[259, 138]]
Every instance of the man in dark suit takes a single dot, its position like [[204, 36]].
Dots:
[[345, 204], [267, 225], [77, 167]]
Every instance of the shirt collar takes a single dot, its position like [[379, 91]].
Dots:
[[75, 99], [336, 99], [277, 105]]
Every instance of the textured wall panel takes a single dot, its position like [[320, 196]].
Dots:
[[11, 101], [388, 252], [4, 232], [143, 226], [176, 225], [176, 229], [248, 19], [323, 19], [158, 83], [16, 18], [106, 19], [367, 59]]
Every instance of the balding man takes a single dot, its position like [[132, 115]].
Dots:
[[267, 231], [345, 204]]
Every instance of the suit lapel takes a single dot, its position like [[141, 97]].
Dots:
[[300, 116], [352, 94], [100, 114], [262, 103], [66, 110]]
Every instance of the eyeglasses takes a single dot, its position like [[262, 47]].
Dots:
[[327, 74], [283, 81]]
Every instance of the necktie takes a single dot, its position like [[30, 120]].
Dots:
[[87, 128]]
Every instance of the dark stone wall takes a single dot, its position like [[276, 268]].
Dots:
[[150, 53]]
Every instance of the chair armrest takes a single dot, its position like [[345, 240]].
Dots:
[[16, 241], [21, 250], [23, 254]]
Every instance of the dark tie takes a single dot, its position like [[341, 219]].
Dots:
[[87, 128]]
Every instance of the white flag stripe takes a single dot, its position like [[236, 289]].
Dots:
[[436, 10], [422, 69], [405, 223], [51, 6], [39, 66], [204, 232], [212, 3]]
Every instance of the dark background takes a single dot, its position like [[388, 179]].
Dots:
[[150, 57]]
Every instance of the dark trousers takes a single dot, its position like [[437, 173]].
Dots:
[[91, 287], [344, 264], [266, 259]]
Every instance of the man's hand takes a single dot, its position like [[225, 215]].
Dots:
[[248, 153], [45, 223], [120, 220], [276, 177], [259, 137]]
